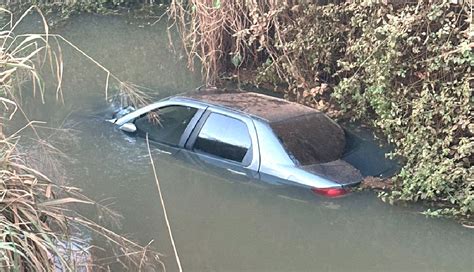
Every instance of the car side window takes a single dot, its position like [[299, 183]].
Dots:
[[165, 125], [225, 137]]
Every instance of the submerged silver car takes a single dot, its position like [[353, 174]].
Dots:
[[249, 134]]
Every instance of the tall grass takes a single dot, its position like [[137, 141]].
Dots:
[[223, 35], [39, 228]]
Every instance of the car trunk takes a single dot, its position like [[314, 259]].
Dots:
[[338, 171], [320, 146]]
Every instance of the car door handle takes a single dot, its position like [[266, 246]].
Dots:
[[162, 151], [236, 172]]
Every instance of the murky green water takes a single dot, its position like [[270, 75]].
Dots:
[[221, 223]]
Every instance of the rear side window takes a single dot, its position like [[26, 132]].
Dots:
[[165, 125], [224, 137]]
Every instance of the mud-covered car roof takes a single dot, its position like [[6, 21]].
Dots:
[[266, 107], [309, 136]]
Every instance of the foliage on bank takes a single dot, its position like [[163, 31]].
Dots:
[[60, 10], [405, 70], [87, 5]]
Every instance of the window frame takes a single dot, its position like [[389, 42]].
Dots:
[[187, 131], [130, 118], [251, 160]]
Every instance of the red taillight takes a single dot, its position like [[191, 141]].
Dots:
[[330, 192]]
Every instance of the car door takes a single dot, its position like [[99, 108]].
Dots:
[[226, 144], [168, 127]]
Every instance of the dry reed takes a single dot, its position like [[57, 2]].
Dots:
[[226, 34], [39, 228]]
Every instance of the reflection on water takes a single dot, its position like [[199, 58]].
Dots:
[[221, 223]]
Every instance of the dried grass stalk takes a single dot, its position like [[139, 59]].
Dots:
[[226, 34], [39, 228]]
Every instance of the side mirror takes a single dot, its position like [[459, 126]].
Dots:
[[128, 127]]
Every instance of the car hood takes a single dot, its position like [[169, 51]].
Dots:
[[338, 171]]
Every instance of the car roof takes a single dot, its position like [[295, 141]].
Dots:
[[263, 106], [309, 135]]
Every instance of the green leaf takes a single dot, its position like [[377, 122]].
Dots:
[[236, 60]]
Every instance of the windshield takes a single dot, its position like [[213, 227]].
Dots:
[[311, 138]]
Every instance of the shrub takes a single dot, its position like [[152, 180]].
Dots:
[[407, 72]]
